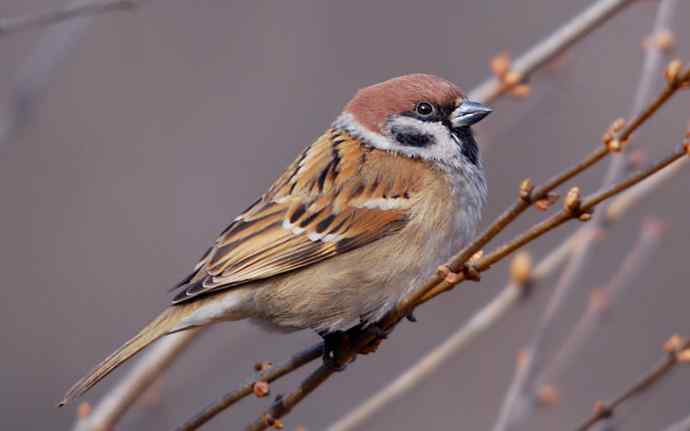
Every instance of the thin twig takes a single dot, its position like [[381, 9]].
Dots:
[[682, 425], [551, 47], [361, 339], [71, 11], [437, 285], [519, 401], [35, 75], [600, 303], [677, 351], [574, 209], [268, 376]]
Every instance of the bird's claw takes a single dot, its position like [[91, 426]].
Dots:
[[335, 347]]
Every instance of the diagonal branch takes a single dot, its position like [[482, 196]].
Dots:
[[268, 376], [600, 303], [550, 48], [519, 401], [542, 53], [71, 11], [573, 209], [677, 351]]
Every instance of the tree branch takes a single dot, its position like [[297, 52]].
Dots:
[[519, 401], [548, 49], [267, 376], [677, 351], [600, 303], [573, 209], [683, 425], [71, 11]]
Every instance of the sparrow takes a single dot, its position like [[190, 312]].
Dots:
[[363, 215]]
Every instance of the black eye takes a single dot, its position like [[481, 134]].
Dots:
[[425, 109]]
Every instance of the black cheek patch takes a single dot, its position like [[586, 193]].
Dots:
[[411, 137]]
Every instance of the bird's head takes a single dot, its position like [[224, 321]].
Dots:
[[419, 116]]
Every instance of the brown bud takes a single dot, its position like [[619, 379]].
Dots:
[[500, 64], [673, 71], [262, 366], [617, 125], [585, 216], [273, 422], [548, 395], [665, 40], [674, 344], [521, 268], [84, 410], [598, 300], [512, 78], [261, 389], [686, 146], [522, 358], [478, 255], [683, 356], [526, 187], [546, 203], [521, 91], [572, 200], [614, 145], [601, 409]]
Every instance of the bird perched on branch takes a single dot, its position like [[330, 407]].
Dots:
[[365, 213]]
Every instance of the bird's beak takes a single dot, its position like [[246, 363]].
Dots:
[[468, 113]]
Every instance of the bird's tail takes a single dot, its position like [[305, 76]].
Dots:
[[162, 325]]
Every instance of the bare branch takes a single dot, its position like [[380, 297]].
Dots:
[[71, 11], [600, 303], [677, 351], [519, 400], [548, 49], [360, 339], [268, 376], [683, 425], [541, 54]]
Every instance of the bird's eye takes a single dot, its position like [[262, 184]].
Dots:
[[425, 109]]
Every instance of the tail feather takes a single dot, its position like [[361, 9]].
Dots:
[[162, 325]]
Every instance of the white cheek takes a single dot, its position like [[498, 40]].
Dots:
[[444, 147]]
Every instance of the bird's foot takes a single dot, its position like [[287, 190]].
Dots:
[[335, 348]]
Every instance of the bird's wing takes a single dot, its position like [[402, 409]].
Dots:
[[322, 206]]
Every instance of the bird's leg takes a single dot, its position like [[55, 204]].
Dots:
[[335, 346]]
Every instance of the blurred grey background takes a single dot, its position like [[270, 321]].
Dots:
[[160, 126]]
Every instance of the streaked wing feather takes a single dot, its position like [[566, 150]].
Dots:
[[319, 208]]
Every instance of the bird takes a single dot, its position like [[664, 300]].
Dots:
[[364, 214]]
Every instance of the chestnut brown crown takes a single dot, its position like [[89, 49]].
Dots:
[[372, 105]]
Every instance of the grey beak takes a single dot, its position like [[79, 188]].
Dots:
[[469, 113]]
